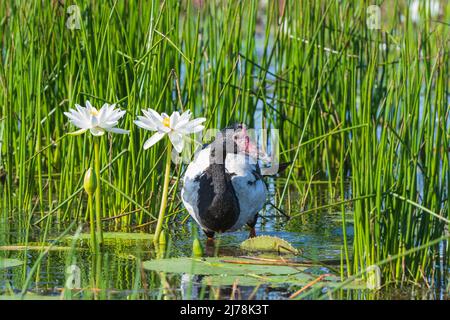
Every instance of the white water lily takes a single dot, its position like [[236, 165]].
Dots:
[[96, 121], [176, 127]]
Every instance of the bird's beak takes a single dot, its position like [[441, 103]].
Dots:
[[252, 150]]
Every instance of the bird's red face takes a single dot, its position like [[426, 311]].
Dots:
[[247, 146]]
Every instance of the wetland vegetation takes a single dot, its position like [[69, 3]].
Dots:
[[355, 94]]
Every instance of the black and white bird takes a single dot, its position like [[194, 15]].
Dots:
[[223, 188]]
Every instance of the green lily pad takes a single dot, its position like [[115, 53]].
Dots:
[[112, 238], [9, 263], [299, 279], [218, 266], [29, 296], [226, 271], [254, 280], [33, 246], [338, 220], [268, 243]]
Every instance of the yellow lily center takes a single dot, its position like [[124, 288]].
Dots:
[[166, 122], [93, 112]]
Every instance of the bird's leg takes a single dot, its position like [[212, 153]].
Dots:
[[210, 243], [252, 224], [210, 235]]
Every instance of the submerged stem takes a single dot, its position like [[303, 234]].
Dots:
[[162, 209]]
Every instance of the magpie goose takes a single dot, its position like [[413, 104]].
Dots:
[[223, 188]]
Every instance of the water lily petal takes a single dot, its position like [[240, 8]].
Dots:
[[174, 119], [177, 141], [145, 123], [103, 113], [89, 105], [186, 115], [108, 124], [80, 124], [183, 120], [81, 110], [153, 115], [118, 130], [77, 120], [164, 129], [94, 121], [197, 129], [78, 132], [196, 122], [115, 115], [181, 124], [96, 131], [149, 115], [152, 121], [81, 115], [191, 127], [97, 121], [157, 120], [153, 139]]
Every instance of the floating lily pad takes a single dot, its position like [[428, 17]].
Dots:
[[29, 296], [348, 220], [217, 266], [268, 244], [299, 279], [112, 238], [227, 271], [254, 280], [9, 263], [33, 247]]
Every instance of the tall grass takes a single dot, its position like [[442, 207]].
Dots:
[[348, 110], [138, 54], [397, 100]]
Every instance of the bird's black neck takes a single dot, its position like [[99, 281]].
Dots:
[[218, 205], [217, 167]]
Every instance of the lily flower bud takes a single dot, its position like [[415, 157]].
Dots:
[[90, 182]]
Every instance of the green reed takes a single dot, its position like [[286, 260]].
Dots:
[[397, 100], [348, 111]]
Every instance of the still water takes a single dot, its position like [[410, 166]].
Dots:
[[67, 271]]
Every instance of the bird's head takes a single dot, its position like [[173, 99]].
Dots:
[[236, 139]]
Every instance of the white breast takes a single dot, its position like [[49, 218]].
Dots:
[[189, 192], [250, 192]]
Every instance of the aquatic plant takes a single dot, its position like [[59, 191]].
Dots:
[[177, 127], [97, 122], [361, 108]]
